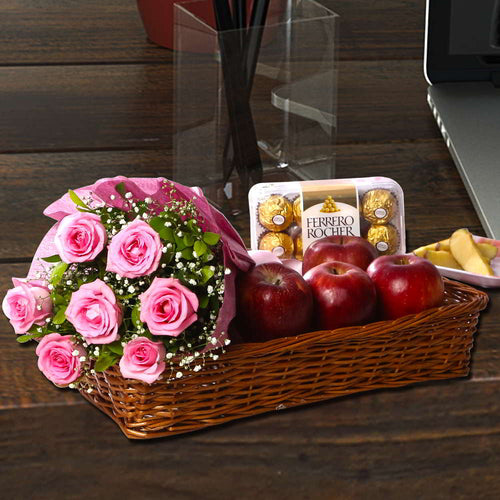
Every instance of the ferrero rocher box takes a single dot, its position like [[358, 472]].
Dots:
[[286, 217]]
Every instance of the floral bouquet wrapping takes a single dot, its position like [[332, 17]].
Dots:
[[137, 273]]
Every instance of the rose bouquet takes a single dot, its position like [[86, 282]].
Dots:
[[137, 273]]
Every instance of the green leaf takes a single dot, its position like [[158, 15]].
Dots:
[[105, 362], [58, 272], [179, 242], [57, 299], [214, 304], [157, 223], [22, 339], [60, 316], [120, 189], [188, 240], [167, 257], [167, 234], [116, 347], [187, 254], [204, 302], [200, 248], [35, 330], [76, 200], [136, 316], [52, 258], [207, 273], [208, 257], [211, 238], [192, 225]]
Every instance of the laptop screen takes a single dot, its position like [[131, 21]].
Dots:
[[462, 40]]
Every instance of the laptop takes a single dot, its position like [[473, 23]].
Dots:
[[462, 66]]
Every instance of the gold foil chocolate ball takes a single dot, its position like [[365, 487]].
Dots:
[[298, 246], [276, 213], [297, 210], [281, 244], [379, 206], [384, 238]]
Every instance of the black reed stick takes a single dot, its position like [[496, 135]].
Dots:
[[242, 129], [252, 44], [240, 19], [254, 39]]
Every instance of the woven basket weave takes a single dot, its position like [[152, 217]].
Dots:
[[256, 378]]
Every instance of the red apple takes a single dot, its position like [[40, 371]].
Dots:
[[406, 284], [351, 249], [273, 301], [344, 295]]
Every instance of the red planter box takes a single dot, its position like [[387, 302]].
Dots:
[[158, 19]]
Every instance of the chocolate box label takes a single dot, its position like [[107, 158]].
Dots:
[[329, 210]]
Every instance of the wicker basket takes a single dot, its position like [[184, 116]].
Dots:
[[256, 378]]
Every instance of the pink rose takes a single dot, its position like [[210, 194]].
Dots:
[[143, 360], [80, 237], [135, 251], [27, 304], [95, 313], [59, 358], [168, 307]]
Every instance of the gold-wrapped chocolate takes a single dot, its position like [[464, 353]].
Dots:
[[384, 238], [298, 246], [276, 213], [297, 210], [281, 244], [379, 206]]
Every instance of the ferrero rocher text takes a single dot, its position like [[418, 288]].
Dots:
[[320, 227]]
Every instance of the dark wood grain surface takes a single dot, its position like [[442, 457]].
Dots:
[[83, 95]]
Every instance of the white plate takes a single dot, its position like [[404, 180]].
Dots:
[[473, 278]]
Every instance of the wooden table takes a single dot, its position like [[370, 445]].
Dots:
[[83, 96]]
